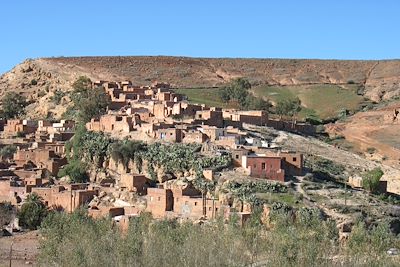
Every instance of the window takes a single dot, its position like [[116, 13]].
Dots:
[[263, 165], [159, 198], [209, 208], [294, 159], [195, 203], [237, 156], [255, 165]]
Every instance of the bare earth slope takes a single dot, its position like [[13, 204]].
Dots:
[[38, 79]]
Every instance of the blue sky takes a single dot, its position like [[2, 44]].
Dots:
[[329, 29]]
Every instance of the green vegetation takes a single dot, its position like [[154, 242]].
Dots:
[[6, 213], [206, 96], [323, 101], [288, 107], [57, 97], [13, 105], [302, 240], [76, 170], [87, 102], [32, 212], [7, 152], [371, 180], [94, 148], [235, 95], [239, 91]]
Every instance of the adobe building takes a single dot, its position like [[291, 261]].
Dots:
[[110, 123], [20, 126], [254, 117], [160, 202], [41, 158], [134, 182], [270, 168], [59, 197], [172, 135]]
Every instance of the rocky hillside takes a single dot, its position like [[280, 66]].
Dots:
[[38, 79]]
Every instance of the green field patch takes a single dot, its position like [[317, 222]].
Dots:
[[207, 96], [325, 101]]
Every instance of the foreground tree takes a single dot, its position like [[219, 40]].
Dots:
[[88, 102], [288, 107], [371, 180], [238, 90], [6, 213], [32, 212], [13, 105]]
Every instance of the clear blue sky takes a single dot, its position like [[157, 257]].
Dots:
[[337, 29]]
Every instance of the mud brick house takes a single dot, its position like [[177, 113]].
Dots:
[[194, 136], [134, 182], [237, 156], [211, 117], [213, 133], [11, 190], [254, 117], [112, 123], [270, 168], [293, 162], [185, 109], [67, 199], [173, 135], [160, 202], [20, 126], [41, 158]]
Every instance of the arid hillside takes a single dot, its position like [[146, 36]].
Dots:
[[38, 79]]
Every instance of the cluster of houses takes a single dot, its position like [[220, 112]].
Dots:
[[156, 114]]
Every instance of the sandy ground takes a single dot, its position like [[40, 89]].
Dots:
[[25, 248]]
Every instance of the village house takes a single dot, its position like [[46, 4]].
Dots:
[[270, 168], [20, 126], [110, 123], [41, 158], [66, 198], [134, 182]]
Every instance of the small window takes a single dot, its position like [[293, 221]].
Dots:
[[195, 203], [159, 198], [209, 208], [263, 165], [171, 134], [295, 159], [255, 165], [237, 156]]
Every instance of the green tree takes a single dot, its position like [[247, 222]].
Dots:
[[76, 170], [7, 152], [13, 105], [32, 212], [6, 213], [288, 107], [371, 179], [88, 102]]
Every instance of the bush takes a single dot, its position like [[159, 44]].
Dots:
[[57, 97], [6, 213], [371, 180], [34, 82], [13, 105], [7, 152], [76, 170], [32, 212]]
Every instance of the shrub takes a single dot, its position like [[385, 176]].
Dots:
[[13, 105], [76, 170], [7, 152], [34, 82], [371, 180], [57, 97], [32, 212]]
